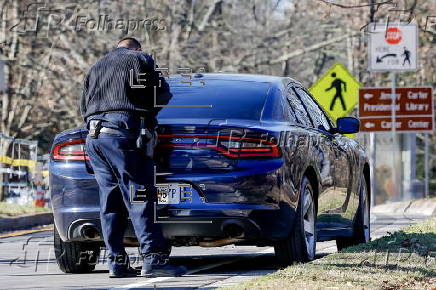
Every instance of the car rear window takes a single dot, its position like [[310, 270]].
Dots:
[[216, 99]]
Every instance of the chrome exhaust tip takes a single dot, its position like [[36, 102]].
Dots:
[[89, 232]]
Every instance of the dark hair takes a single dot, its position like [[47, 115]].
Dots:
[[131, 42]]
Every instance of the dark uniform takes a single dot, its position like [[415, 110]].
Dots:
[[113, 104]]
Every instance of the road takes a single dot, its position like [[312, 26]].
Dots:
[[27, 262]]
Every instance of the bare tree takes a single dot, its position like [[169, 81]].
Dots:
[[46, 55]]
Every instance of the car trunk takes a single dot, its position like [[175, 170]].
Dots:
[[210, 146], [195, 148]]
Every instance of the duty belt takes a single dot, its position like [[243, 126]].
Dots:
[[144, 136], [118, 131], [96, 127]]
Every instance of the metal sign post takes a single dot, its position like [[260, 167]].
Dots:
[[426, 169], [398, 110], [373, 160], [394, 137], [394, 48]]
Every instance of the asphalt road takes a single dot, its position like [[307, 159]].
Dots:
[[27, 262]]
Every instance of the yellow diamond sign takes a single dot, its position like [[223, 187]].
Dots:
[[337, 91]]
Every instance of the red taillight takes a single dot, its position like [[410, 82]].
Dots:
[[232, 147], [72, 150]]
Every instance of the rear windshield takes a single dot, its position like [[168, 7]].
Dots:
[[216, 99]]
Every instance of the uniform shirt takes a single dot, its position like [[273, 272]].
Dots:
[[116, 83]]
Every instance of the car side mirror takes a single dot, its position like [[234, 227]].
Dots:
[[347, 125]]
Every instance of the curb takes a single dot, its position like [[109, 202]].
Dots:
[[419, 207], [25, 221]]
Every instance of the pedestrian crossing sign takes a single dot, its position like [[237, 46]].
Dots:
[[337, 91]]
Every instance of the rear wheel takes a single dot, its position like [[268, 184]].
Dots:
[[75, 257], [300, 245], [361, 228]]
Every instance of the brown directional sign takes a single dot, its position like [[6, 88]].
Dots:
[[413, 109], [402, 124]]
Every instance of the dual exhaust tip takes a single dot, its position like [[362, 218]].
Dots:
[[233, 231]]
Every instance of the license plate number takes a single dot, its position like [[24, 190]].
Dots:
[[169, 193]]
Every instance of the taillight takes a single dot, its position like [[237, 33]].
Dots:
[[249, 148], [72, 150], [230, 146]]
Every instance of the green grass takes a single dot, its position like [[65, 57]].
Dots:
[[10, 210], [402, 260]]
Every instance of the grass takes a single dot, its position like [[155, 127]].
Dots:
[[10, 210], [402, 260]]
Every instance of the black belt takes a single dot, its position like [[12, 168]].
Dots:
[[118, 131]]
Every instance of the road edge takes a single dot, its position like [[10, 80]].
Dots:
[[418, 207], [25, 221]]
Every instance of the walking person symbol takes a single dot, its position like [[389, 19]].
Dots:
[[337, 84], [406, 54]]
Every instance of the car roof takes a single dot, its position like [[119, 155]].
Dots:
[[193, 77]]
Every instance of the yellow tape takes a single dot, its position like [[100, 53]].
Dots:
[[26, 232], [5, 159], [17, 162]]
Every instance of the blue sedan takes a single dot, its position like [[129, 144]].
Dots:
[[241, 159]]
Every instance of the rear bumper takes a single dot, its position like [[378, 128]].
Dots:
[[174, 229], [250, 226]]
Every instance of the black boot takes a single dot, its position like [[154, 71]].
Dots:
[[156, 265], [119, 267]]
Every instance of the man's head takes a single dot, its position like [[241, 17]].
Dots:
[[130, 43]]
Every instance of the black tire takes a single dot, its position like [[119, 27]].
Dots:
[[297, 248], [361, 225], [75, 257]]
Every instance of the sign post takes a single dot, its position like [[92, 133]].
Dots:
[[393, 49], [394, 136], [426, 169], [401, 110], [373, 159]]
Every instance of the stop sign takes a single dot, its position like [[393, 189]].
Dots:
[[393, 35]]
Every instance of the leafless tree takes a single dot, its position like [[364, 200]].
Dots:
[[48, 47]]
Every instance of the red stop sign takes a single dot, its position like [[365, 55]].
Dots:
[[393, 35]]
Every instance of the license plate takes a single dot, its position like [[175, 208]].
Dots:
[[171, 193]]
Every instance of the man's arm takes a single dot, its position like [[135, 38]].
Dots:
[[163, 94], [84, 98]]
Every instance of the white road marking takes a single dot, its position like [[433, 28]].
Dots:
[[205, 267], [246, 276]]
